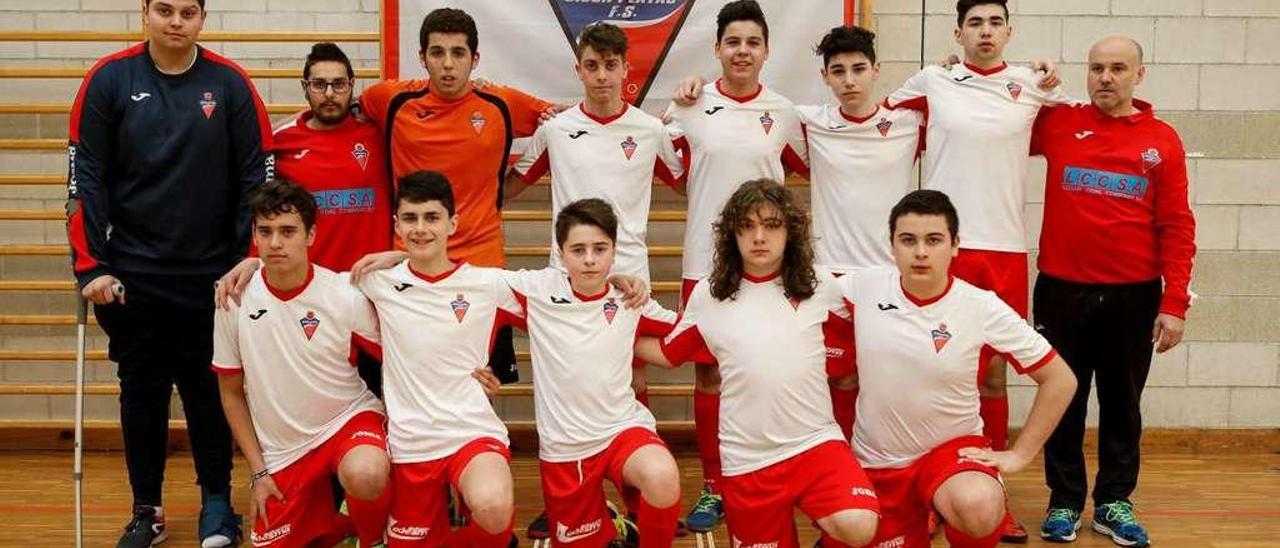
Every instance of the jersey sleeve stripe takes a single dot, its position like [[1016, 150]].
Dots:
[[82, 260], [1027, 370], [226, 370], [78, 107], [792, 161], [537, 170]]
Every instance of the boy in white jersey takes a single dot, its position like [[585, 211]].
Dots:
[[922, 332], [738, 130], [289, 341], [590, 425], [760, 315], [980, 118]]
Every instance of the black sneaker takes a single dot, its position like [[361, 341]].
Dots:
[[144, 530], [539, 528]]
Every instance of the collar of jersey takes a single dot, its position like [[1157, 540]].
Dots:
[[740, 98], [985, 72], [301, 122], [290, 294], [446, 100], [437, 278], [588, 298], [1145, 110], [857, 120], [604, 121], [926, 302], [761, 279]]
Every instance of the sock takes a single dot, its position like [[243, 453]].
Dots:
[[995, 421], [370, 516], [643, 398], [961, 540], [706, 422], [845, 405], [657, 525]]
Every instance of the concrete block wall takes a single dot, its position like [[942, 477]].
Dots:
[[1213, 68]]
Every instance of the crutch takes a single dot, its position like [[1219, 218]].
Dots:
[[77, 472]]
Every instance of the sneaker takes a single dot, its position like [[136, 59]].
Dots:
[[628, 534], [219, 525], [707, 512], [1117, 520], [1011, 531], [1060, 525], [539, 528], [144, 530]]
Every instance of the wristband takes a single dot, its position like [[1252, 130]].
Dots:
[[259, 475]]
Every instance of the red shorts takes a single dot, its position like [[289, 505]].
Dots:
[[308, 513], [573, 491], [1003, 272], [906, 494], [419, 513], [824, 480]]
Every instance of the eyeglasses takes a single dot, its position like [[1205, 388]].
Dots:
[[319, 87]]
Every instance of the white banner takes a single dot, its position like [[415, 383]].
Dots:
[[526, 43]]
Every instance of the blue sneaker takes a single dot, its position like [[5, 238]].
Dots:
[[219, 525], [1117, 520], [1060, 525], [707, 512]]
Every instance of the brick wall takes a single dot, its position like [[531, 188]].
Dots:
[[1213, 68]]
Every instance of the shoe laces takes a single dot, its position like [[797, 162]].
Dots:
[[1064, 514], [1120, 512], [707, 502], [624, 527]]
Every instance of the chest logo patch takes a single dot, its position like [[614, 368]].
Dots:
[[610, 309], [1150, 159], [477, 122], [940, 337], [361, 155], [460, 307], [766, 122], [207, 104], [309, 324], [1014, 90], [883, 125], [629, 147]]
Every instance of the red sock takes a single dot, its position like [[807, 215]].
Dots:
[[643, 398], [995, 421], [370, 516], [657, 525], [706, 422], [845, 405], [961, 540]]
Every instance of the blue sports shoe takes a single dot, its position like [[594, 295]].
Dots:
[[1060, 525], [219, 524], [707, 512], [1117, 520]]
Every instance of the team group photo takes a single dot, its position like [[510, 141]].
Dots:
[[647, 274]]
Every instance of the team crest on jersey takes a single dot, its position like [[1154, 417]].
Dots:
[[1150, 159], [1014, 90], [940, 337], [477, 122], [610, 309], [650, 27], [207, 104], [629, 147], [883, 125], [309, 324], [460, 307], [361, 154], [766, 122]]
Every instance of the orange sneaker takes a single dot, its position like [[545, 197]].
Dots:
[[1011, 531]]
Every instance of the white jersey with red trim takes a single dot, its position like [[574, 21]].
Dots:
[[727, 141], [435, 332], [294, 347], [614, 159], [582, 347], [775, 401], [859, 168], [979, 137], [919, 365]]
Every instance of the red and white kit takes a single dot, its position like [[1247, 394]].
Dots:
[[589, 422], [614, 159], [293, 347], [934, 351], [859, 168]]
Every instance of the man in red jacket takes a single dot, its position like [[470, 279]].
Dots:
[[1115, 262]]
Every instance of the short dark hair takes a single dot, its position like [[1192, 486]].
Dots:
[[279, 196], [603, 38], [421, 187], [926, 202], [847, 40], [740, 10], [449, 20], [201, 2], [963, 7], [326, 52], [589, 211]]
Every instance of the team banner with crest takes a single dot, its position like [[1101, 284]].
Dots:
[[527, 44]]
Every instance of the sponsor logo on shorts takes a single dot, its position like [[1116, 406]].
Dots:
[[270, 537], [366, 434], [1106, 183], [863, 492], [739, 544], [833, 352], [405, 532], [563, 534], [895, 542]]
